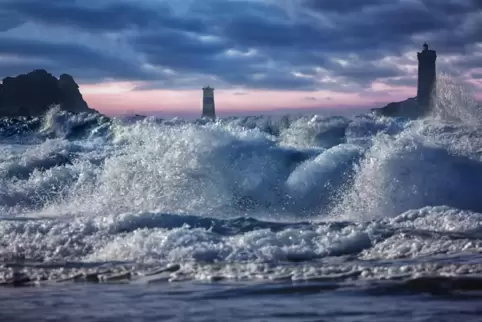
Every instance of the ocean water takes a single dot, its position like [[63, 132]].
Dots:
[[292, 218]]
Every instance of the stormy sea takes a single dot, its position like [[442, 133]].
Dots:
[[281, 218]]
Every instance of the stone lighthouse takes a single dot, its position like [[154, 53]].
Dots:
[[208, 102], [426, 77]]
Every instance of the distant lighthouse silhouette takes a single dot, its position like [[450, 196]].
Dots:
[[426, 77], [208, 103]]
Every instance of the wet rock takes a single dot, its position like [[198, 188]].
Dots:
[[18, 280], [170, 269], [408, 108], [118, 278]]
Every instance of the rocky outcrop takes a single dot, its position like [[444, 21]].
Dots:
[[408, 108], [35, 93]]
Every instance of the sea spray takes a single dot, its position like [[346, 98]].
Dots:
[[455, 101], [293, 198]]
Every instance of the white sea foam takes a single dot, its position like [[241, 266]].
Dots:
[[242, 197]]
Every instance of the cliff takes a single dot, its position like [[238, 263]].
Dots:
[[34, 93]]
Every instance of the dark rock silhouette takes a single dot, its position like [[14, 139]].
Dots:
[[35, 93], [409, 108], [426, 82]]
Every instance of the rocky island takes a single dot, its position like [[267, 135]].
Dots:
[[34, 93]]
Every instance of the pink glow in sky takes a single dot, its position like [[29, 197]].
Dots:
[[123, 98]]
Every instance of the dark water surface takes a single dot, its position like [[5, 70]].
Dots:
[[304, 301]]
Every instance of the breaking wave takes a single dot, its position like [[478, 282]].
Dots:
[[243, 198]]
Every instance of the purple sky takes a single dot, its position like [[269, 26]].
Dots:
[[154, 56]]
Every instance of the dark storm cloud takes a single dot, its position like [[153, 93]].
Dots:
[[368, 71], [82, 60], [469, 62], [343, 6], [401, 81], [8, 22], [13, 67], [179, 50], [247, 43], [258, 31], [273, 79], [452, 7], [477, 75], [96, 16]]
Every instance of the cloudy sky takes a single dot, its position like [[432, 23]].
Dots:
[[153, 56]]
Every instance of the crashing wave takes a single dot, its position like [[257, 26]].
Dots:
[[251, 197]]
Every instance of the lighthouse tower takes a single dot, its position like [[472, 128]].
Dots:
[[426, 77], [208, 102]]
